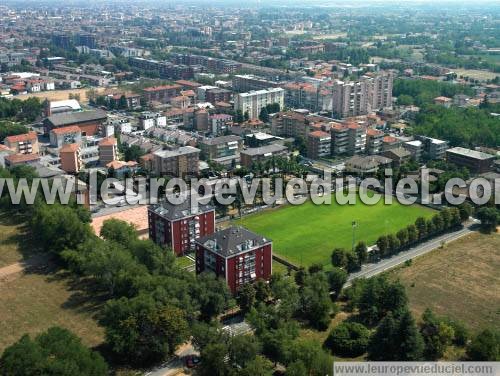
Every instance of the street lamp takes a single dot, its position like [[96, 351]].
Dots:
[[354, 225]]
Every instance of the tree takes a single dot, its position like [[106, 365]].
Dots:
[[405, 100], [348, 339], [393, 243], [277, 342], [284, 291], [296, 368], [361, 251], [316, 361], [112, 266], [11, 129], [119, 231], [204, 333], [259, 366], [421, 226], [264, 115], [485, 346], [411, 342], [465, 210], [133, 153], [140, 331], [437, 335], [339, 257], [488, 217], [412, 233], [353, 263], [238, 118], [315, 268], [396, 339], [438, 222], [57, 227], [446, 216], [382, 245], [246, 297], [262, 290], [378, 297], [212, 294], [213, 360], [55, 352], [243, 349], [122, 103], [337, 278], [403, 237], [315, 300]]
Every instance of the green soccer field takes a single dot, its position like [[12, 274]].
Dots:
[[307, 234]]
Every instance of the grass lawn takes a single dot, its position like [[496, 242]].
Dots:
[[184, 261], [31, 303], [15, 241], [461, 280], [279, 268], [306, 234], [476, 74]]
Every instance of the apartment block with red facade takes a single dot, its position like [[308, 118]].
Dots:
[[177, 226], [235, 254], [161, 94]]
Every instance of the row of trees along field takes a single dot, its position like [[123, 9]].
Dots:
[[152, 306]]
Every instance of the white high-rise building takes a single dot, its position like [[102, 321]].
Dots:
[[253, 101], [368, 93]]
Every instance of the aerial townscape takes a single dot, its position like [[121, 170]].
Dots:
[[260, 188]]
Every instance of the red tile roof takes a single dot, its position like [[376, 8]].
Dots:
[[319, 134], [21, 158], [64, 130], [30, 136], [108, 141], [69, 148], [163, 87]]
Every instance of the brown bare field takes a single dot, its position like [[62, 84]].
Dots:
[[476, 74], [330, 36], [31, 303], [9, 247], [16, 242], [59, 95], [460, 280]]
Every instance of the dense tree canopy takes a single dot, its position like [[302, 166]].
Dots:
[[56, 352], [467, 127]]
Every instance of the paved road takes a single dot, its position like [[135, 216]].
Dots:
[[370, 270], [175, 366]]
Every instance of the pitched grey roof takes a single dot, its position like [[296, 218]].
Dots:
[[470, 153], [220, 140], [174, 212], [59, 120], [182, 150], [232, 241]]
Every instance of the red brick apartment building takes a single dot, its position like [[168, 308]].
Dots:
[[161, 94], [177, 226], [235, 254]]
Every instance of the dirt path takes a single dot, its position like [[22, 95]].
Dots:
[[35, 262]]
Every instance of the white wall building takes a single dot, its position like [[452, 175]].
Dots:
[[253, 101]]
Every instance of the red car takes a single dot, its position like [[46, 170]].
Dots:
[[192, 361]]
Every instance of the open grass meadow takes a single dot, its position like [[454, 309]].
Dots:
[[460, 280], [32, 301], [307, 233]]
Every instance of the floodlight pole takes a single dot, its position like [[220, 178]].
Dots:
[[354, 225]]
